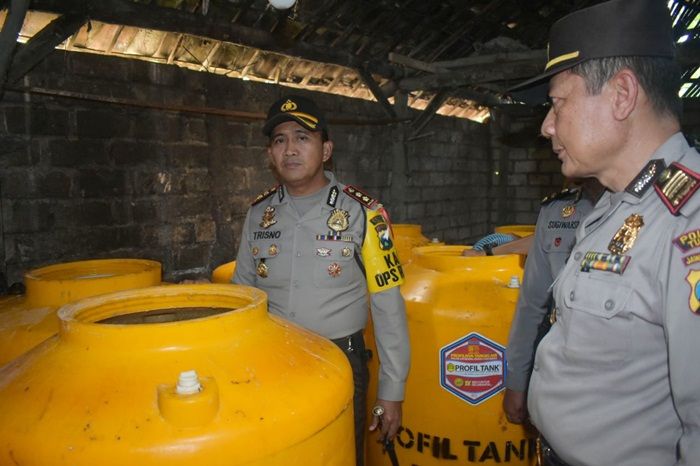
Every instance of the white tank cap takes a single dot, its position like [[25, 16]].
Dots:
[[514, 282], [188, 383], [435, 240]]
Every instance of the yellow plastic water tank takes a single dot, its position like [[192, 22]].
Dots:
[[406, 237], [224, 273], [116, 386], [519, 230], [459, 313], [26, 321]]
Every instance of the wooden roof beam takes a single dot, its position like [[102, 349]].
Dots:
[[128, 13], [43, 43]]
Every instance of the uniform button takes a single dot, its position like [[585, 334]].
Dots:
[[295, 284], [292, 314], [577, 256], [572, 295], [535, 367], [298, 253], [609, 304], [298, 225]]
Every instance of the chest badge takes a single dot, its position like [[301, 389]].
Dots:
[[255, 250], [273, 250], [262, 269], [568, 211], [694, 301], [346, 252], [268, 218], [334, 269], [338, 220], [627, 234], [323, 252]]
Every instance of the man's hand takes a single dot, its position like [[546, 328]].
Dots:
[[514, 406], [473, 253], [389, 421]]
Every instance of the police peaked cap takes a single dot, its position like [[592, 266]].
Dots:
[[612, 29], [295, 108]]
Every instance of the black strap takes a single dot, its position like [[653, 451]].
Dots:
[[391, 451]]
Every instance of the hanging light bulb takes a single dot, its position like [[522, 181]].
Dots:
[[282, 4]]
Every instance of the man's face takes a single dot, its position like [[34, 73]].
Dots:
[[297, 156], [579, 125]]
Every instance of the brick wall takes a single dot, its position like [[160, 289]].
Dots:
[[84, 178]]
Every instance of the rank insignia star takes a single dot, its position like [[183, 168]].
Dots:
[[268, 218], [334, 269]]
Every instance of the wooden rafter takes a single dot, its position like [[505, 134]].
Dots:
[[43, 43]]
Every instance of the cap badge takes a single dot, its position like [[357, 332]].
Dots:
[[288, 106], [338, 220], [268, 218], [627, 234]]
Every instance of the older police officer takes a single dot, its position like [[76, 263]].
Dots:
[[615, 380], [319, 249]]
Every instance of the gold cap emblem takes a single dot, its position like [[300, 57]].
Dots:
[[288, 106]]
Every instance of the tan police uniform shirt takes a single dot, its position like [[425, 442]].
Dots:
[[318, 282], [616, 380], [555, 235]]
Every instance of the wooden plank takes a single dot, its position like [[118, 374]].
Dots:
[[474, 76], [430, 111], [9, 34], [376, 91], [43, 43], [415, 64], [538, 57]]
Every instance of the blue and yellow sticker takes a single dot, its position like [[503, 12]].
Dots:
[[382, 266]]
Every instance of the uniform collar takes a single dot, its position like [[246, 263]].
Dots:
[[670, 151], [283, 197]]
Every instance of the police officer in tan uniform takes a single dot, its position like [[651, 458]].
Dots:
[[323, 252], [616, 380]]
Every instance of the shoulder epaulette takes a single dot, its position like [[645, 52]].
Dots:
[[676, 185], [264, 195], [361, 197], [568, 193]]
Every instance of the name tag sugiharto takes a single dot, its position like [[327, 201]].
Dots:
[[606, 262]]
